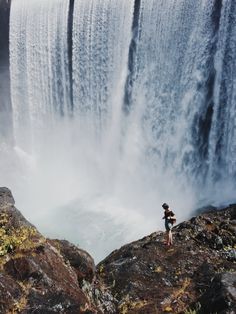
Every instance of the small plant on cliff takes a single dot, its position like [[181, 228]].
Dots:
[[12, 239]]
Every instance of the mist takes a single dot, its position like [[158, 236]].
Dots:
[[110, 118], [77, 187]]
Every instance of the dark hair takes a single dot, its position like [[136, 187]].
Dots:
[[165, 206]]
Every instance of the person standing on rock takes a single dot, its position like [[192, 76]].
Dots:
[[170, 219]]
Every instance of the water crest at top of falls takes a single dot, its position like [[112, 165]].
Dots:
[[119, 106]]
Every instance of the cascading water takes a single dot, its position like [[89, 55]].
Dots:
[[179, 69], [39, 72], [222, 142], [118, 108], [101, 39], [172, 70]]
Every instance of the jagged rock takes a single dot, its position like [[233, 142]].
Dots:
[[80, 260], [10, 292], [6, 198], [220, 297], [148, 277], [35, 277], [39, 275]]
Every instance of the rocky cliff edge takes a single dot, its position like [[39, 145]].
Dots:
[[195, 275]]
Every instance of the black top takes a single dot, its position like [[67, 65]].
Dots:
[[168, 214]]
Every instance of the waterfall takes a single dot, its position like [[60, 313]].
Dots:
[[101, 38], [172, 67], [38, 65], [119, 106], [222, 143], [181, 67]]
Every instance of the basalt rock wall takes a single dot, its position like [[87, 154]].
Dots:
[[4, 32], [5, 102]]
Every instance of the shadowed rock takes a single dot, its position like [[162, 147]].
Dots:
[[221, 296], [80, 260], [43, 276]]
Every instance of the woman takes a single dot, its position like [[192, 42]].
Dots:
[[170, 219]]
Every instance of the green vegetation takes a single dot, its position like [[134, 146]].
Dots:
[[16, 240]]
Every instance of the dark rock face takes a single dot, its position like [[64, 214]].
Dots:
[[80, 260], [148, 277], [10, 292], [221, 296], [198, 272], [5, 101], [4, 31], [44, 276]]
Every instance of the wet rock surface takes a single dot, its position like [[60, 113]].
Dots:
[[195, 275]]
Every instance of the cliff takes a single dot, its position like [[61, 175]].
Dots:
[[44, 276], [195, 275]]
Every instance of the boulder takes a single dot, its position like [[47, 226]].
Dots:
[[220, 297], [79, 260]]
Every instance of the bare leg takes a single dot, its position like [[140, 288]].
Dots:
[[170, 238], [167, 238]]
